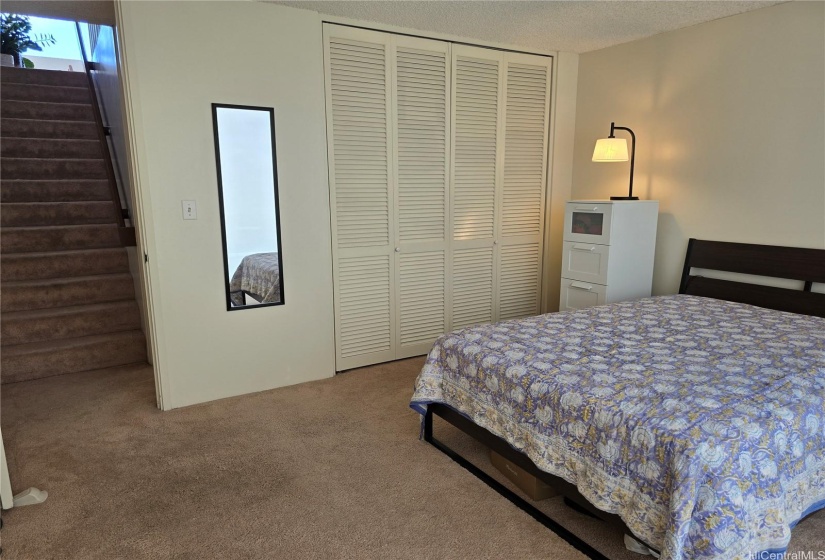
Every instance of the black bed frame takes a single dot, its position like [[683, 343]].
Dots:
[[804, 265]]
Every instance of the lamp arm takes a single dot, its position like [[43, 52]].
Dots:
[[632, 151]]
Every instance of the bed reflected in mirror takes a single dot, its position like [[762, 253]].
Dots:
[[248, 195]]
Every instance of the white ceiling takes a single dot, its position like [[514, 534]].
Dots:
[[577, 26]]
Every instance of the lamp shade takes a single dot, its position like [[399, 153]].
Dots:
[[610, 149]]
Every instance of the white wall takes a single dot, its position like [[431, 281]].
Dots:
[[110, 97], [565, 76], [51, 63], [730, 120], [178, 58]]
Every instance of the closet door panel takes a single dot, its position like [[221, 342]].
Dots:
[[359, 89], [520, 280], [422, 104], [525, 141], [364, 308], [472, 283], [421, 301], [438, 157], [476, 108], [422, 146], [359, 128], [475, 183], [524, 180]]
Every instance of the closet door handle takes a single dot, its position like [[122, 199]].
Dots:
[[398, 249], [580, 286], [589, 248]]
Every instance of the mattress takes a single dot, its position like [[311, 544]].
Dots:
[[700, 422], [258, 275]]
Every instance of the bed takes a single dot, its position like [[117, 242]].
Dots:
[[258, 276], [694, 421]]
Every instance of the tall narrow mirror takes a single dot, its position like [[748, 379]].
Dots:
[[248, 194]]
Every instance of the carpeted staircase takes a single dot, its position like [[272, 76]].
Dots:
[[67, 301]]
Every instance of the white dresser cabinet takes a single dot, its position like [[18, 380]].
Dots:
[[608, 251]]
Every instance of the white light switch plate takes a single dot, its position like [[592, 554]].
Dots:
[[190, 209]]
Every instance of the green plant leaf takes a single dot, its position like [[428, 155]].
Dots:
[[16, 38], [27, 63]]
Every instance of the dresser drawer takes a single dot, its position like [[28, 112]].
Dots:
[[585, 261], [576, 294], [588, 222]]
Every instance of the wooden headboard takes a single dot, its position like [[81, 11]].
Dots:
[[793, 263]]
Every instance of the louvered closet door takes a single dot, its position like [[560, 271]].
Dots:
[[359, 130], [475, 183], [524, 179], [422, 138], [437, 157]]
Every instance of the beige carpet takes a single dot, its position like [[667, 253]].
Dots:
[[331, 469]]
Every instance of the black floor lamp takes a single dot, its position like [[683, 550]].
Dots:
[[613, 149]]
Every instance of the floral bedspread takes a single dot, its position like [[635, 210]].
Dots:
[[258, 275], [700, 422]]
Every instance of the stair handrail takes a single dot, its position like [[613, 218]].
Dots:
[[127, 234]]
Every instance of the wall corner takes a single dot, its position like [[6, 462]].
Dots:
[[560, 184]]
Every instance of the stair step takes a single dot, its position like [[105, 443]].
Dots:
[[36, 168], [62, 264], [27, 295], [23, 327], [45, 93], [36, 128], [37, 360], [27, 214], [14, 109], [43, 77], [22, 190], [49, 148], [58, 238]]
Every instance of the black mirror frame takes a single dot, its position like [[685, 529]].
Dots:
[[271, 111]]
